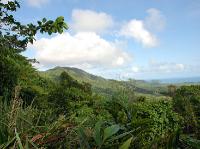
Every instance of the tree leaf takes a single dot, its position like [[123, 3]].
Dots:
[[44, 20], [109, 131], [126, 144], [65, 25], [60, 19]]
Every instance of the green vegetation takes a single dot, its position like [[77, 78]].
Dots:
[[69, 108], [107, 86]]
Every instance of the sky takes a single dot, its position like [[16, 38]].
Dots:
[[119, 39]]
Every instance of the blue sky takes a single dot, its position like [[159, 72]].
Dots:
[[119, 38]]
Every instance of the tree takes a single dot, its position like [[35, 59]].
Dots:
[[14, 38], [187, 104], [171, 90], [69, 91]]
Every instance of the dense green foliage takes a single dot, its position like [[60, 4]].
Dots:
[[58, 110], [187, 104]]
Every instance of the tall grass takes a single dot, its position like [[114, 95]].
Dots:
[[15, 122], [20, 127]]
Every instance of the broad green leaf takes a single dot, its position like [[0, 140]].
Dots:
[[120, 136], [97, 133], [126, 144], [109, 131]]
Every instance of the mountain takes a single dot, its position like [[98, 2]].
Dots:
[[78, 74], [106, 86]]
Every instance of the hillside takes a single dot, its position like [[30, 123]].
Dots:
[[107, 86], [76, 73]]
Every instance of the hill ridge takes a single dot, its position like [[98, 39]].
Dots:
[[100, 84]]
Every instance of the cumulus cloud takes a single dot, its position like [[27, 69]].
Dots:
[[155, 20], [142, 30], [136, 29], [90, 21], [37, 3], [83, 50]]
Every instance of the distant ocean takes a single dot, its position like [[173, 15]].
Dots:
[[181, 80]]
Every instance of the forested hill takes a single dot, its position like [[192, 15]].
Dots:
[[76, 73], [102, 85]]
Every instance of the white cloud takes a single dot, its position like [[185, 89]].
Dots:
[[135, 69], [160, 67], [136, 29], [37, 3], [90, 21], [38, 66], [6, 1], [155, 69], [142, 30], [83, 50], [166, 67], [155, 20]]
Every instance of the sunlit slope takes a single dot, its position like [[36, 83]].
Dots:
[[107, 86]]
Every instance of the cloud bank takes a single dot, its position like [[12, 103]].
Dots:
[[83, 50], [160, 67]]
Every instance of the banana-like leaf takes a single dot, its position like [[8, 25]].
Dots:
[[126, 144], [109, 131], [97, 133]]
